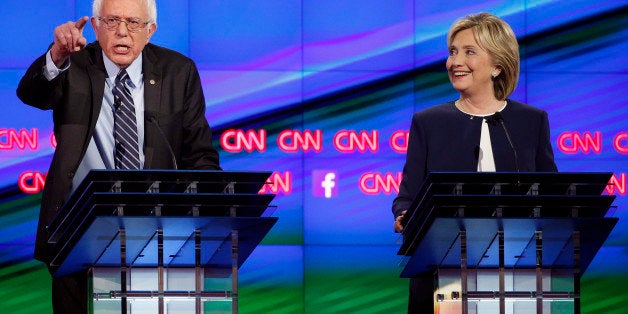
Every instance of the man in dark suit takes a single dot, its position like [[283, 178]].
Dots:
[[84, 86]]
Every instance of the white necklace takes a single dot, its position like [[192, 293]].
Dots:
[[463, 108]]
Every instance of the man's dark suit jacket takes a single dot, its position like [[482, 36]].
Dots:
[[443, 138], [173, 100]]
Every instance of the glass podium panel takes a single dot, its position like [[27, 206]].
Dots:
[[143, 295], [519, 286]]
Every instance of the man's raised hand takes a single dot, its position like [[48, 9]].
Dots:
[[68, 39]]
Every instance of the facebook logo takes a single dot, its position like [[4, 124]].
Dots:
[[324, 183]]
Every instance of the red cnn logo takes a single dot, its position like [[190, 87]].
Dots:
[[234, 141], [572, 142], [373, 183], [620, 138], [399, 141], [31, 182], [278, 183], [350, 141], [11, 139], [291, 141], [617, 185]]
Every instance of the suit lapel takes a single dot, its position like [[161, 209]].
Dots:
[[97, 74], [152, 80], [152, 98]]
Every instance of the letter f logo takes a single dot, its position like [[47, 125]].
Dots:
[[324, 183], [328, 184]]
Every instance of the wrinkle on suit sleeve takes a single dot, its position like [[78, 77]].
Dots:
[[545, 155], [34, 88]]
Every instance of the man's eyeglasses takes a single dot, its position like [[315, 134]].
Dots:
[[132, 24]]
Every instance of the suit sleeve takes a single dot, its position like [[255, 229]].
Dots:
[[545, 155], [414, 170], [198, 151], [34, 88]]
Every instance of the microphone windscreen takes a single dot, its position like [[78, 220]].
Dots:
[[495, 118]]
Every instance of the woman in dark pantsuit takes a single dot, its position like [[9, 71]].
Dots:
[[461, 135]]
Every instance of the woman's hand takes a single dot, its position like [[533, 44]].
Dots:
[[398, 226]]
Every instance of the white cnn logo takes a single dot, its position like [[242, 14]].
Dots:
[[329, 183]]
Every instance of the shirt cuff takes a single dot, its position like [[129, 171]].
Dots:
[[50, 70]]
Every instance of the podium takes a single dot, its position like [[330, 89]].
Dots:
[[506, 242], [161, 241]]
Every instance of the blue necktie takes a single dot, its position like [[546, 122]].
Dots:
[[125, 125]]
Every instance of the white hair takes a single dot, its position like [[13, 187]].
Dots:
[[151, 8]]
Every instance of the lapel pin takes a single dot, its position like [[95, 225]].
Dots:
[[152, 82]]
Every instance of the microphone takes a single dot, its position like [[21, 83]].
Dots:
[[498, 118], [116, 103], [493, 119], [150, 117]]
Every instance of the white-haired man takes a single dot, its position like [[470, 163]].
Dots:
[[92, 88]]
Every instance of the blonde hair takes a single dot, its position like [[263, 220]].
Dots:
[[496, 37]]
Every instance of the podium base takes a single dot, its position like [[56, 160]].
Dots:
[[520, 295], [142, 294]]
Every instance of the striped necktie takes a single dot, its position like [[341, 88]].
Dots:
[[124, 125]]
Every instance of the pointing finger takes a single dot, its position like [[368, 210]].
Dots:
[[81, 23], [77, 34]]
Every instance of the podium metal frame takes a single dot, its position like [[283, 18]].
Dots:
[[206, 222], [543, 224]]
